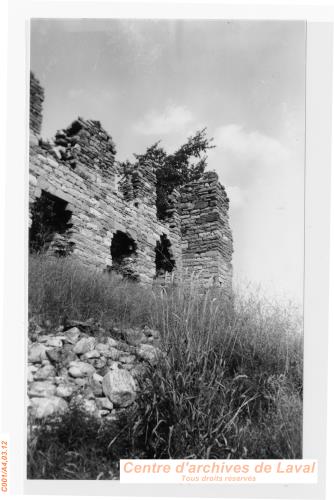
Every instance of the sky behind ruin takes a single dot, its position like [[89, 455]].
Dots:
[[163, 80]]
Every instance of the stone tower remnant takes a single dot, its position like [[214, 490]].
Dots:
[[109, 219]]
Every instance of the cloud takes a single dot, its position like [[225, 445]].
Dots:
[[172, 119], [88, 94], [244, 156], [264, 180], [75, 93]]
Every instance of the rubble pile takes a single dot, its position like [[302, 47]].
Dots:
[[83, 363]]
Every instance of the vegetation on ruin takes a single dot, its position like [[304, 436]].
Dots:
[[174, 170], [230, 385]]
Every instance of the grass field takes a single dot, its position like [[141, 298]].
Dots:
[[230, 385]]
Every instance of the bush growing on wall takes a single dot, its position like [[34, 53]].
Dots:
[[174, 170]]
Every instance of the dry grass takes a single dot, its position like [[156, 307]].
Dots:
[[61, 287], [231, 383]]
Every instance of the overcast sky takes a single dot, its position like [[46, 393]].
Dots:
[[163, 80]]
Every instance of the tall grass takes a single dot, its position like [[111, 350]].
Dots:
[[230, 384], [62, 287]]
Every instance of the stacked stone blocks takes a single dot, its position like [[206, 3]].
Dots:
[[79, 167]]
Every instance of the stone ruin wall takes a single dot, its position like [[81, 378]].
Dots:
[[36, 105], [79, 167], [206, 236]]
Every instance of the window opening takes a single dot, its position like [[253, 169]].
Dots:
[[164, 262], [51, 226]]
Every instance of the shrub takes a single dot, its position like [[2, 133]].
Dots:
[[174, 170], [74, 446]]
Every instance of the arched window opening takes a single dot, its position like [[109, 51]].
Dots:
[[51, 227], [124, 252], [164, 262]]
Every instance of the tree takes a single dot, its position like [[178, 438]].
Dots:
[[174, 170]]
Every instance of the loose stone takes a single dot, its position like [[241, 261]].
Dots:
[[45, 372], [42, 389], [120, 387], [54, 342], [104, 403], [149, 353], [127, 359], [84, 345], [45, 407], [36, 353], [91, 354], [54, 355], [87, 405], [80, 369], [72, 335], [65, 390]]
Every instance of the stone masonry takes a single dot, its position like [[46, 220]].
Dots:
[[109, 219]]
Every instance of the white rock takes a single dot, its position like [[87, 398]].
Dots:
[[65, 390], [97, 377], [95, 384], [46, 362], [88, 405], [36, 353], [33, 140], [149, 353], [42, 389], [102, 348], [120, 387], [112, 342], [110, 418], [30, 373], [104, 403], [44, 407], [127, 359], [81, 382], [45, 372], [96, 388], [54, 342], [80, 369], [72, 335], [113, 365], [84, 345], [91, 354]]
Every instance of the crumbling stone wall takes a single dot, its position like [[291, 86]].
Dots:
[[36, 105], [79, 167]]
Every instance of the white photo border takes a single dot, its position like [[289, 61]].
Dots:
[[317, 211]]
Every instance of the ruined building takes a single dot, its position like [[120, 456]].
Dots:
[[80, 204]]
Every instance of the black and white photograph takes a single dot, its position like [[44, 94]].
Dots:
[[166, 242]]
